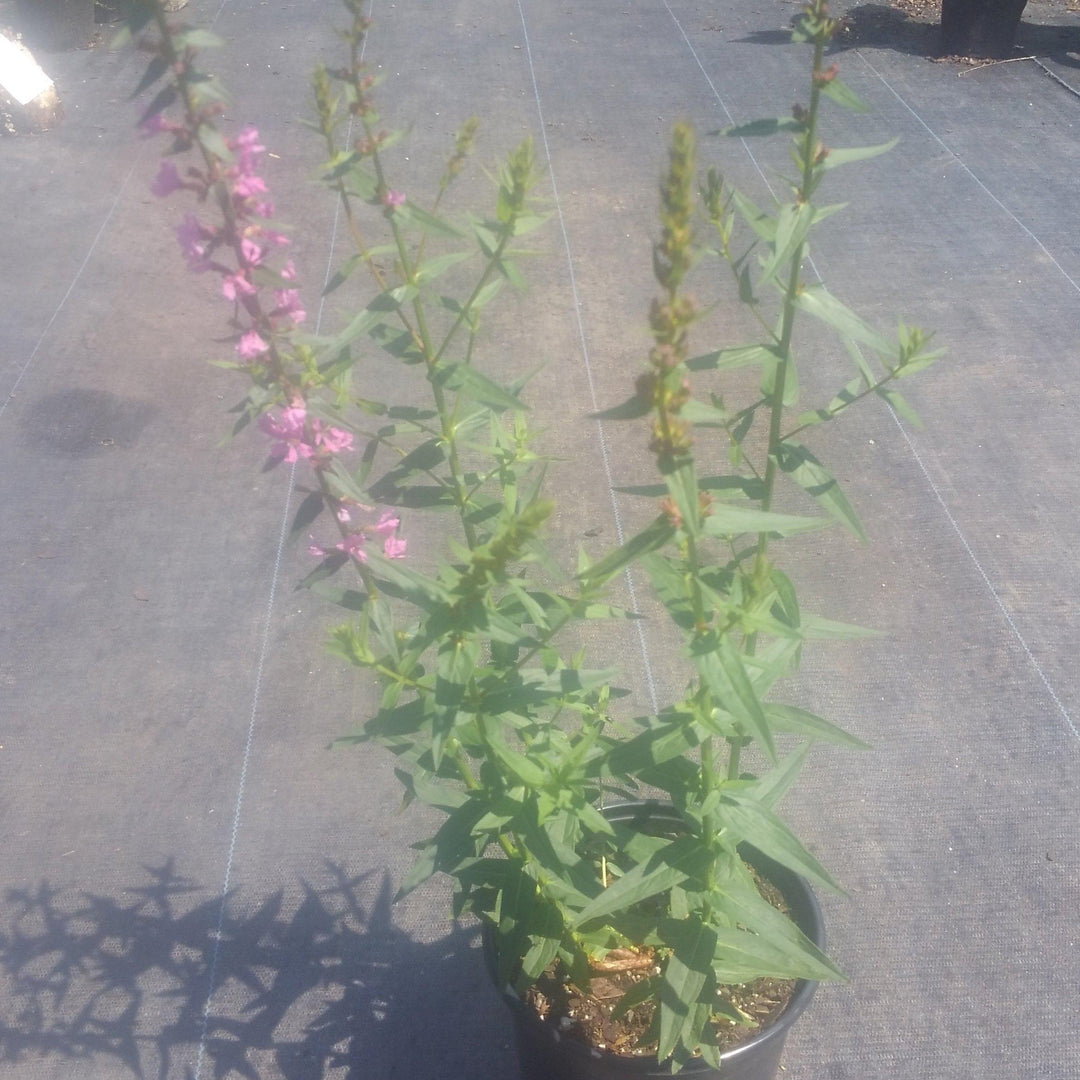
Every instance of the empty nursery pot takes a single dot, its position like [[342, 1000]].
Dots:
[[546, 1054]]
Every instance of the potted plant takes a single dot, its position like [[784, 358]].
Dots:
[[693, 912]]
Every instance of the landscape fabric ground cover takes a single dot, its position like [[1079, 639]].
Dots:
[[192, 884]]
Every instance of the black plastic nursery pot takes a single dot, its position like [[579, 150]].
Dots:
[[546, 1054]]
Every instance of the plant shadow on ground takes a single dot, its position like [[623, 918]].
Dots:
[[886, 26], [318, 985]]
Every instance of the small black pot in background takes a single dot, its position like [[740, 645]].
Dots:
[[546, 1054], [56, 25]]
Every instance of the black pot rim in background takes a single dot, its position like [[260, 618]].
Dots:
[[765, 1046]]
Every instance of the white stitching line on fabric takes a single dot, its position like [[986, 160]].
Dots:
[[604, 454], [263, 652], [903, 431]]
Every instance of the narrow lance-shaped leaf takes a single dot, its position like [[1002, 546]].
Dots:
[[837, 157], [649, 539], [752, 821], [809, 473], [686, 974], [675, 863]]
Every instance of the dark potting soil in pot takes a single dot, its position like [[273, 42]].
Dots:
[[586, 1014]]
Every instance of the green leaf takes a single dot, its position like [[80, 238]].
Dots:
[[773, 786], [836, 157], [789, 953], [800, 722], [687, 974], [678, 861], [411, 215], [842, 94], [524, 770], [761, 827], [650, 538], [467, 380], [702, 414], [430, 269], [455, 666], [396, 342], [817, 301], [729, 359], [728, 520], [792, 227], [195, 38], [212, 140], [654, 746], [367, 318], [763, 224], [809, 473], [746, 706], [815, 627], [342, 275], [900, 405]]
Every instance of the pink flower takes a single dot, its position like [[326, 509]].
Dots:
[[194, 242], [288, 271], [250, 346], [332, 440], [394, 547], [288, 431], [248, 141], [388, 523], [353, 545], [249, 186], [316, 550], [393, 199], [250, 252], [272, 236], [167, 180], [157, 125], [288, 303], [236, 285], [343, 515]]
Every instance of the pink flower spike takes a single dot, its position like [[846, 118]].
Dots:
[[251, 345], [388, 523], [394, 547], [167, 180], [393, 199]]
